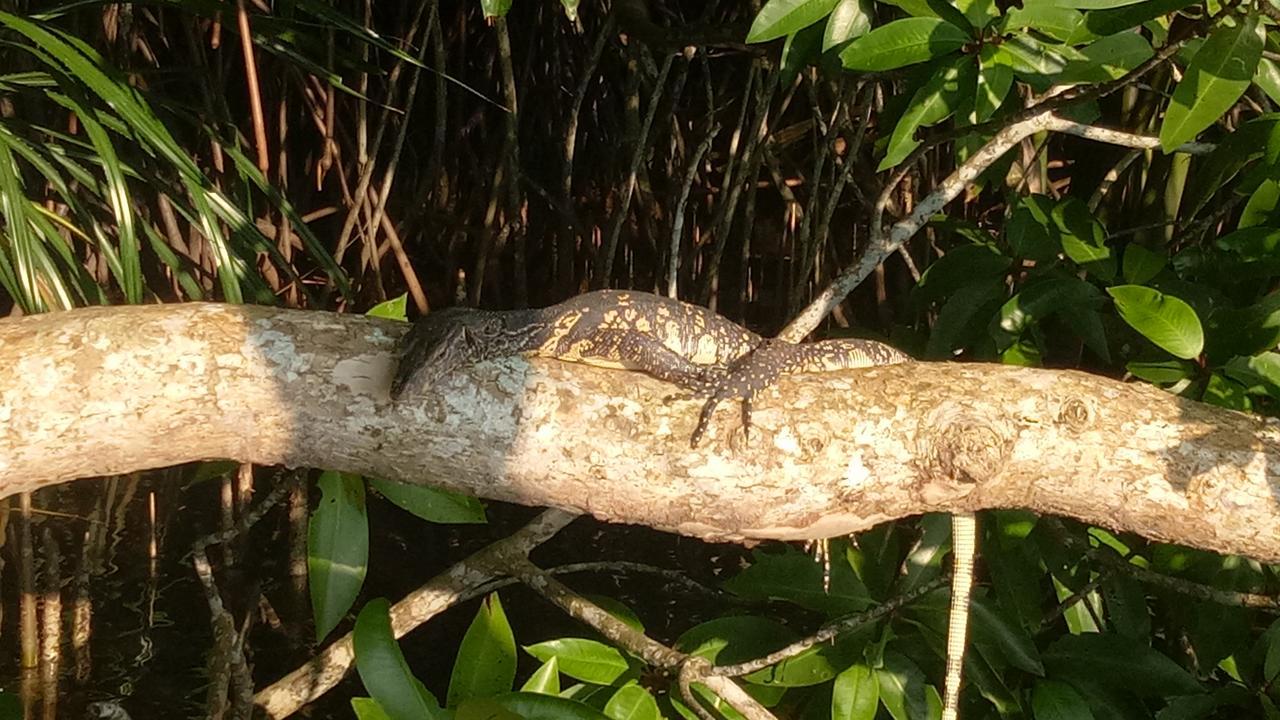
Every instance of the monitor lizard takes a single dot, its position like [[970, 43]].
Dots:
[[687, 345]]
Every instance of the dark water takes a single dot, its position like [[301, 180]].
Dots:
[[151, 628]]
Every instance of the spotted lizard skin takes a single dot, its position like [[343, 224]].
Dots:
[[687, 345]]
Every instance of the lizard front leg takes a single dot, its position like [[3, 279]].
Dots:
[[760, 368]]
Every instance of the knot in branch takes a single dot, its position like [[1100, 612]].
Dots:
[[959, 445]]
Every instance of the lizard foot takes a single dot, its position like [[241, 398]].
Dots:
[[750, 373]]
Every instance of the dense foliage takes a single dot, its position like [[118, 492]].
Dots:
[[407, 156]]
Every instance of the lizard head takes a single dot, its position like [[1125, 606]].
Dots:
[[448, 340]]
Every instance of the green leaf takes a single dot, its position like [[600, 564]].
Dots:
[[1106, 59], [794, 576], [1235, 151], [486, 663], [1083, 238], [1163, 319], [855, 694], [1053, 700], [903, 42], [545, 680], [1261, 207], [1141, 264], [1270, 640], [1036, 62], [902, 687], [586, 660], [784, 17], [1093, 4], [337, 549], [848, 20], [1267, 77], [1120, 663], [1058, 23], [431, 504], [979, 13], [934, 102], [964, 315], [1164, 372], [383, 670], [1226, 393], [1029, 234], [1218, 75], [396, 308], [1260, 373], [495, 8], [994, 83], [959, 267], [999, 638], [368, 709], [1038, 300], [1100, 23], [800, 49], [528, 706], [1126, 603], [632, 702]]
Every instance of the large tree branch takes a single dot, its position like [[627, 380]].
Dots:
[[110, 390]]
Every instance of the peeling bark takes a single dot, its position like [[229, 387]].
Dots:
[[111, 390]]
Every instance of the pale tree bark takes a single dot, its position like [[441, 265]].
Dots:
[[111, 390]]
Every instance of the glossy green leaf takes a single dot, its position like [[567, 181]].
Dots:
[[855, 694], [529, 706], [1218, 75], [902, 687], [586, 660], [993, 85], [1106, 59], [1260, 374], [368, 709], [1083, 238], [794, 576], [1053, 700], [495, 8], [957, 268], [632, 702], [1037, 300], [801, 49], [848, 20], [1267, 77], [545, 680], [1059, 23], [1092, 4], [486, 663], [1270, 642], [1164, 372], [1163, 319], [1236, 150], [963, 316], [784, 17], [431, 504], [1100, 23], [979, 13], [1029, 235], [1117, 662], [1003, 639], [337, 549], [383, 670], [903, 42], [1141, 264], [934, 102], [396, 308], [1038, 63], [1261, 207], [1126, 603]]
